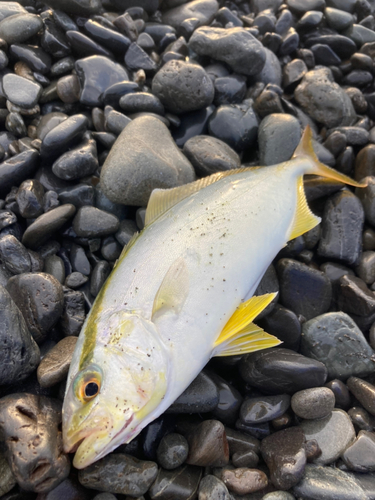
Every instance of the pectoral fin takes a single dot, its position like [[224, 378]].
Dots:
[[240, 335], [173, 290], [304, 219]]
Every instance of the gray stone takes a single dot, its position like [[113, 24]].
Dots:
[[119, 473], [366, 267], [278, 137], [14, 255], [278, 495], [21, 91], [20, 27], [324, 100], [19, 354], [202, 10], [91, 222], [333, 434], [317, 402], [78, 162], [335, 340], [367, 197], [55, 364], [182, 86], [33, 442], [7, 480], [152, 161], [243, 480], [29, 199], [234, 46], [360, 456], [211, 488], [181, 483], [263, 408], [208, 445], [172, 451], [271, 71], [338, 19], [54, 265], [200, 397], [73, 315], [359, 34]]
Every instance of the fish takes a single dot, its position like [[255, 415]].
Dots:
[[182, 292]]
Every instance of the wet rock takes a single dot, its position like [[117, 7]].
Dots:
[[317, 402], [323, 99], [364, 392], [229, 402], [229, 89], [21, 91], [202, 10], [209, 155], [19, 354], [20, 27], [55, 364], [90, 222], [263, 408], [135, 102], [234, 46], [354, 297], [153, 162], [338, 19], [284, 324], [183, 86], [74, 280], [359, 456], [333, 433], [33, 441], [78, 7], [137, 59], [16, 169], [79, 260], [281, 370], [271, 72], [285, 456], [243, 480], [172, 451], [14, 255], [364, 164], [30, 199], [366, 267], [278, 137], [98, 276], [179, 483], [240, 442], [208, 445], [200, 397], [39, 297], [78, 162], [7, 480], [46, 225], [55, 266], [367, 197], [64, 135], [304, 290], [211, 488], [119, 473], [73, 315], [361, 418]]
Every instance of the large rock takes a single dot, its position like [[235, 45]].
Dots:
[[324, 100], [202, 10], [144, 157]]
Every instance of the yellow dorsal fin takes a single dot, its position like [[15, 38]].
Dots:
[[243, 315], [304, 219], [251, 338], [162, 200], [305, 148]]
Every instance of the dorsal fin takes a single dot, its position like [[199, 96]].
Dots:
[[304, 219], [162, 200]]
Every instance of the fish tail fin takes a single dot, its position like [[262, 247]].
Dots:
[[305, 149]]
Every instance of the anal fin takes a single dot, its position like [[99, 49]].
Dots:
[[304, 219]]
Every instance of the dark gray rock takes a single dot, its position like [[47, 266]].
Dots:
[[29, 199], [55, 364], [78, 162], [73, 315], [200, 397], [78, 7], [39, 297], [20, 27], [16, 169], [230, 89], [211, 488], [335, 340], [317, 402], [14, 255], [19, 354], [33, 442], [338, 19], [278, 137], [208, 445], [136, 102], [229, 403], [361, 418], [367, 197], [360, 455], [91, 222], [179, 483], [182, 86], [364, 392], [119, 473], [136, 58], [98, 276], [172, 451], [366, 267], [234, 46], [74, 280], [79, 260], [54, 265], [354, 297], [153, 161], [256, 410], [21, 91], [64, 135], [202, 10]]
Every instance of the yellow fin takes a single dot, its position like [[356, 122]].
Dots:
[[243, 315], [305, 148], [304, 219], [162, 200], [173, 290], [251, 338]]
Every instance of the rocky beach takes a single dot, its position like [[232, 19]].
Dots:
[[102, 101]]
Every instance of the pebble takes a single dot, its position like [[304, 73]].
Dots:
[[39, 297], [172, 451], [284, 324], [293, 72], [333, 433], [182, 87], [317, 402], [7, 480], [367, 197], [20, 27], [33, 441], [78, 162], [119, 473], [55, 266], [91, 222], [21, 91], [263, 408], [243, 480], [29, 199], [359, 456], [342, 226], [235, 47], [284, 454], [14, 170], [98, 276], [46, 225], [229, 89], [366, 267], [208, 445], [153, 161], [73, 314], [229, 403], [34, 57], [335, 340], [19, 354], [200, 397], [141, 101], [202, 10], [286, 129], [136, 58], [361, 419], [354, 297], [323, 99], [211, 488], [179, 484], [14, 255], [55, 364], [209, 155], [64, 135], [309, 300], [364, 392], [281, 370], [74, 280]]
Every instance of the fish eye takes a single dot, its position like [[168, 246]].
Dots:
[[87, 384], [91, 389]]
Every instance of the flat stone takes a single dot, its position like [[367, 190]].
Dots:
[[182, 86], [45, 225], [153, 161], [360, 455], [137, 102], [55, 365], [20, 27], [78, 162], [19, 354], [21, 91], [64, 135], [14, 255], [344, 351], [33, 443], [281, 370], [202, 10], [208, 445], [317, 402], [200, 397], [354, 297], [69, 89], [323, 99], [179, 483], [234, 46], [278, 137], [29, 199], [91, 222], [211, 488], [243, 480], [54, 265], [39, 297], [333, 433], [98, 276], [285, 456], [229, 403], [293, 72], [271, 71], [136, 59], [34, 57], [263, 408], [16, 169], [361, 418], [364, 392], [230, 89], [172, 451]]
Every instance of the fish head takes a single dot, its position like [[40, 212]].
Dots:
[[115, 392]]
